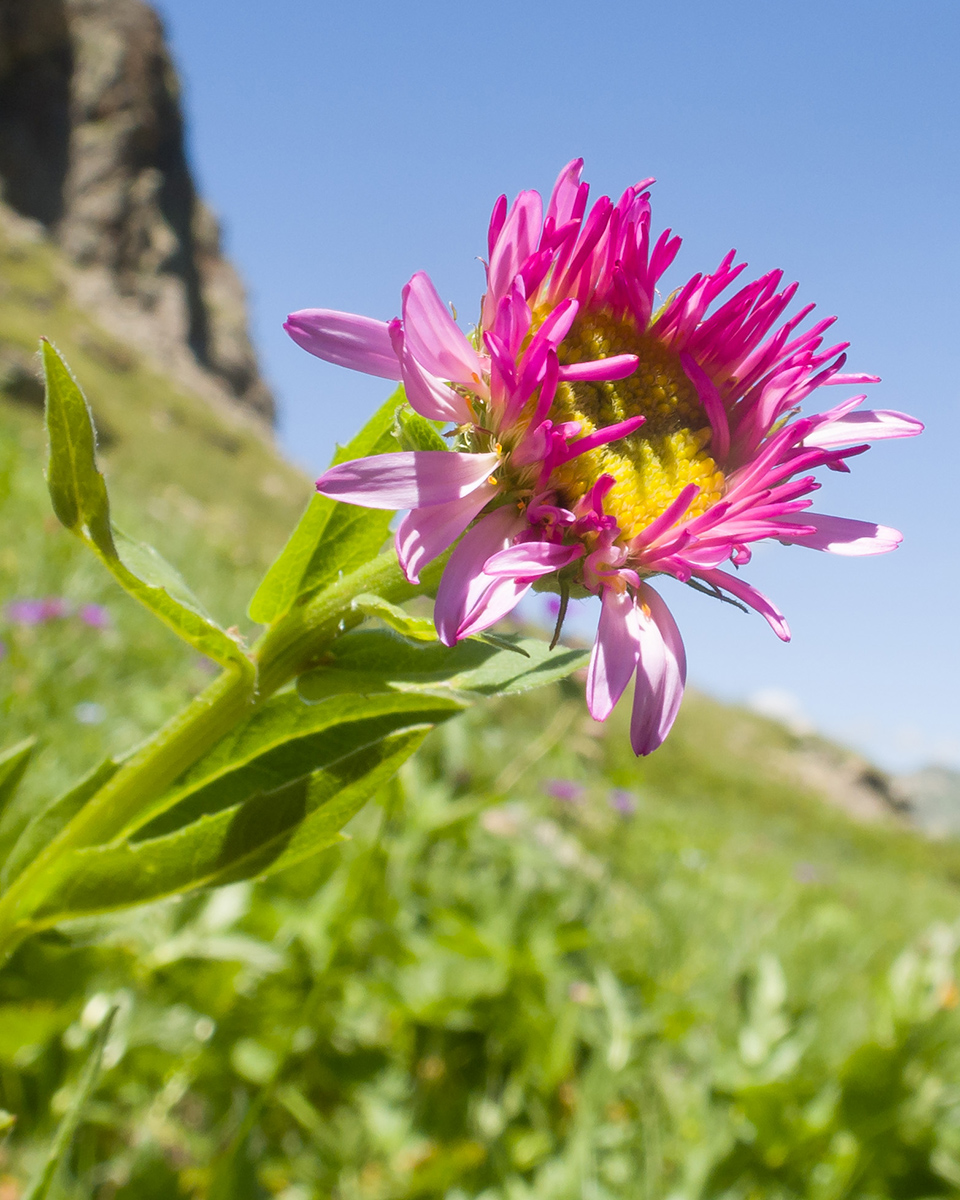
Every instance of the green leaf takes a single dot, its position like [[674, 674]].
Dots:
[[414, 432], [77, 489], [421, 629], [266, 833], [39, 1187], [372, 660], [47, 823], [285, 740], [13, 767], [79, 496], [329, 529]]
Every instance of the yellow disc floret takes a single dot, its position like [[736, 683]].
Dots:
[[669, 451]]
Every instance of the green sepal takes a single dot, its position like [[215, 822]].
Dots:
[[266, 833], [79, 496], [420, 629], [372, 660], [330, 537], [414, 432]]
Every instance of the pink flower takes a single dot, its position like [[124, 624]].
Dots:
[[599, 440]]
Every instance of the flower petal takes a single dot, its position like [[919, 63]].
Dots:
[[427, 394], [465, 591], [841, 535], [426, 532], [412, 479], [675, 667], [870, 425], [617, 366], [433, 337], [749, 595], [360, 343], [615, 652], [530, 560]]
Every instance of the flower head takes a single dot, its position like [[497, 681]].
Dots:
[[600, 440]]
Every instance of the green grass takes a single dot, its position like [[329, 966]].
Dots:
[[735, 991]]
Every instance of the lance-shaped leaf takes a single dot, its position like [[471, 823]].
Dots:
[[330, 537], [46, 824], [13, 766], [79, 495], [286, 740], [268, 832], [371, 660]]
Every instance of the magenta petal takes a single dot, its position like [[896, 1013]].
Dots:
[[749, 595], [427, 394], [498, 599], [360, 343], [841, 535], [426, 532], [433, 337], [863, 427], [413, 479], [529, 560], [615, 653], [675, 659], [617, 366], [461, 595], [647, 715]]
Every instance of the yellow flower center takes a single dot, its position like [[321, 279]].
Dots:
[[669, 451]]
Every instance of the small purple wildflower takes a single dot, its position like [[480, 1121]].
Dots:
[[95, 615], [26, 612], [623, 802], [55, 608], [564, 789], [553, 605]]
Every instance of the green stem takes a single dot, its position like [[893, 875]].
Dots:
[[296, 643]]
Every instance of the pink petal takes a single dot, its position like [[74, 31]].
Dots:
[[516, 242], [412, 479], [749, 595], [841, 535], [426, 532], [530, 560], [864, 427], [464, 591], [433, 337], [647, 714], [713, 406], [675, 674], [427, 394], [360, 343], [617, 366], [499, 599], [563, 198], [615, 653]]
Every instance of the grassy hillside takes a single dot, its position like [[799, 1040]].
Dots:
[[541, 969]]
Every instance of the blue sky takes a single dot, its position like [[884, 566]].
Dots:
[[347, 146]]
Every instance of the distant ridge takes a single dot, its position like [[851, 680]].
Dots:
[[92, 148]]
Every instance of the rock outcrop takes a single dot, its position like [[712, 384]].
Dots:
[[92, 147]]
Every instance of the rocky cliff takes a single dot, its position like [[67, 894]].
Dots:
[[92, 147]]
